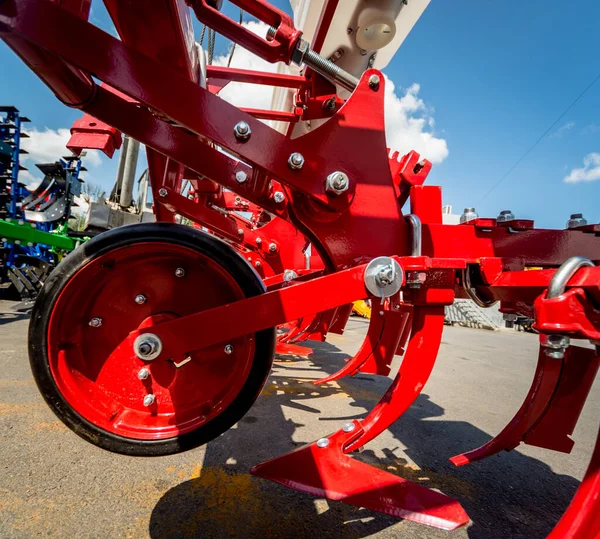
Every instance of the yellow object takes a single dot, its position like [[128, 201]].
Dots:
[[361, 308]]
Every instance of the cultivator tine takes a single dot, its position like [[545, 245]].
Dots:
[[551, 408], [323, 468], [285, 349], [582, 518], [377, 350]]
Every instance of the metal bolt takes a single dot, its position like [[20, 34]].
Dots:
[[179, 272], [380, 313], [348, 427], [555, 345], [140, 299], [272, 247], [468, 215], [241, 176], [240, 232], [95, 322], [143, 374], [322, 442], [242, 131], [576, 220], [258, 264], [278, 197], [330, 104], [337, 183], [385, 276], [229, 349], [414, 279], [149, 400], [258, 241], [162, 192], [289, 275], [147, 346], [296, 160], [374, 81], [505, 216]]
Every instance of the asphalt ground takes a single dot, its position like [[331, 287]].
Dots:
[[52, 483]]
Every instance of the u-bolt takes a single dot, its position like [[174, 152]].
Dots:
[[417, 234], [563, 274]]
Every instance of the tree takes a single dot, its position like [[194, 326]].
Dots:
[[93, 191]]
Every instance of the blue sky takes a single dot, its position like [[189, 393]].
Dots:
[[492, 76]]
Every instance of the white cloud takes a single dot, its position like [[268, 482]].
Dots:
[[588, 173], [409, 122], [47, 146], [562, 130], [247, 95]]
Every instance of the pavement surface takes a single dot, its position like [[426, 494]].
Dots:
[[52, 483]]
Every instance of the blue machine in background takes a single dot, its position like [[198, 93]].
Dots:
[[47, 208]]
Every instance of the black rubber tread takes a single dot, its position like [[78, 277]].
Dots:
[[208, 245]]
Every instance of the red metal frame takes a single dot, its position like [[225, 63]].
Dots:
[[150, 91]]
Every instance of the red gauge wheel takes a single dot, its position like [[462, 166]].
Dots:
[[132, 277]]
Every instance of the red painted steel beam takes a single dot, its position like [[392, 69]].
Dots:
[[260, 312], [232, 74]]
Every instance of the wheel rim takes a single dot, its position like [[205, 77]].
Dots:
[[104, 388]]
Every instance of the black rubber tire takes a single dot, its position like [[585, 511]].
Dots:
[[208, 245]]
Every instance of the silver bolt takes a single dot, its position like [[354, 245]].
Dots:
[[240, 232], [162, 192], [272, 247], [242, 131], [385, 276], [576, 220], [505, 216], [337, 183], [289, 275], [149, 400], [374, 81], [468, 215], [258, 241], [278, 197], [380, 313], [241, 176], [555, 345], [147, 346], [179, 272], [140, 299], [296, 160], [95, 322], [257, 264], [229, 349], [348, 427], [322, 442], [143, 373]]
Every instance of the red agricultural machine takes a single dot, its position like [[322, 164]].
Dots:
[[172, 331]]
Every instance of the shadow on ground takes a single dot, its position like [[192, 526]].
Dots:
[[502, 495]]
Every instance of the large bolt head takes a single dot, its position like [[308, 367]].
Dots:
[[242, 131], [229, 349], [143, 374], [140, 299], [272, 247], [162, 192], [468, 215], [147, 346], [241, 176], [374, 81], [576, 220], [296, 161], [278, 197], [179, 272], [322, 442], [505, 216], [385, 275], [337, 183]]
